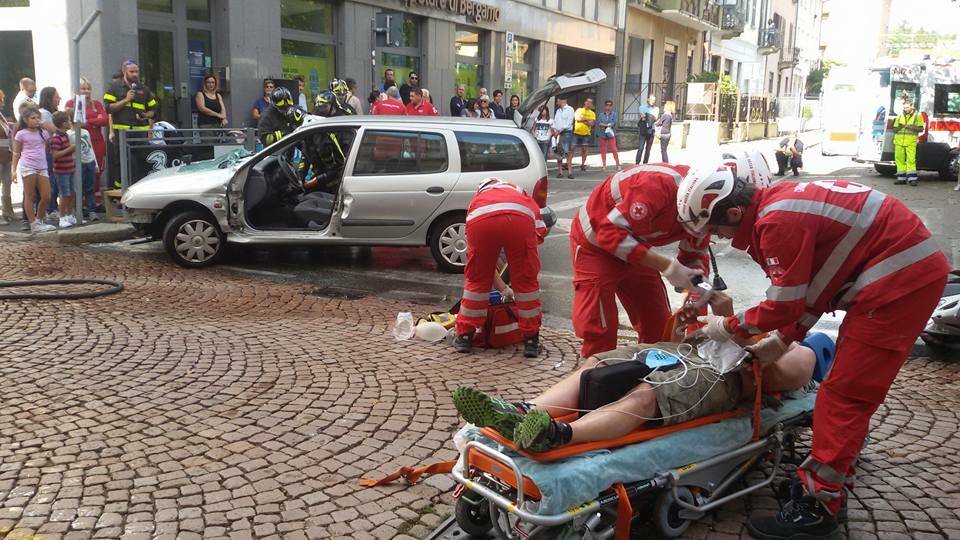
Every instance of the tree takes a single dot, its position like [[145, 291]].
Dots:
[[816, 76]]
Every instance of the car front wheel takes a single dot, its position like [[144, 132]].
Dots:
[[193, 239], [448, 244]]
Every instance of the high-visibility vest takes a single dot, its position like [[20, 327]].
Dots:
[[903, 136]]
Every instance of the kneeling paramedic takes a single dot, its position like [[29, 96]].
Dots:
[[502, 217], [610, 240], [825, 245]]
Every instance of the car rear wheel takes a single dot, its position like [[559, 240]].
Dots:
[[448, 243], [885, 169], [951, 168], [193, 239]]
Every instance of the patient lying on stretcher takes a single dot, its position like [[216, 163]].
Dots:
[[666, 397]]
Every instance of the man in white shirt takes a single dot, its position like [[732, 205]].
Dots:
[[352, 99], [28, 92], [563, 127], [302, 99]]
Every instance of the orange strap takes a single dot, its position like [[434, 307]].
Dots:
[[757, 399], [624, 513], [412, 474]]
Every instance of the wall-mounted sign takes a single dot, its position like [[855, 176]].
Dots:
[[474, 11]]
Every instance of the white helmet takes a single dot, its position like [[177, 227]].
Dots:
[[704, 186], [700, 191], [487, 182], [750, 166]]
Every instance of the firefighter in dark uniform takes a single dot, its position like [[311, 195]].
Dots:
[[280, 119], [132, 108], [328, 153]]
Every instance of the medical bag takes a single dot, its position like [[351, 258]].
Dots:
[[501, 329]]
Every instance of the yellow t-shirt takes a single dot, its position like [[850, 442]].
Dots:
[[582, 115]]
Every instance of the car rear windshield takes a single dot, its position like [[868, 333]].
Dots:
[[482, 152]]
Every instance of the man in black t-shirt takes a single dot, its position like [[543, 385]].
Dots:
[[132, 108]]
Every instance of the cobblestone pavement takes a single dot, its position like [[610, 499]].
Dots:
[[207, 404]]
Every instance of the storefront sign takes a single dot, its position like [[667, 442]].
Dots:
[[474, 11]]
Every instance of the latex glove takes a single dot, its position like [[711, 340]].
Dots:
[[769, 349], [679, 275], [715, 328], [507, 294]]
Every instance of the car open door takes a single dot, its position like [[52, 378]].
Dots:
[[557, 85]]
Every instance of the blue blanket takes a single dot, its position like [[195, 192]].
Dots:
[[577, 480]]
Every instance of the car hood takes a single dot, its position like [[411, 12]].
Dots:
[[193, 179]]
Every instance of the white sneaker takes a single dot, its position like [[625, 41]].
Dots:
[[72, 218], [38, 227], [65, 222]]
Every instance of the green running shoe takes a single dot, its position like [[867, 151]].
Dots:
[[483, 411], [538, 432]]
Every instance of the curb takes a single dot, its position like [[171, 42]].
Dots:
[[91, 234]]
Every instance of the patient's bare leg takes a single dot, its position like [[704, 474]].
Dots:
[[610, 421], [793, 370], [565, 394]]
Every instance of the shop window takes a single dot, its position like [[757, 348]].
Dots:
[[312, 61], [198, 10], [17, 47], [523, 64], [482, 152], [469, 68], [307, 15], [946, 99], [401, 152], [14, 3], [161, 6]]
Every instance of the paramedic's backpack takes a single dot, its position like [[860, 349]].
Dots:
[[501, 329], [611, 380]]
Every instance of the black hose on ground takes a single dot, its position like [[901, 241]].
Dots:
[[113, 288]]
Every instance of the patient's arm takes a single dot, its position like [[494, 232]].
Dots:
[[792, 371]]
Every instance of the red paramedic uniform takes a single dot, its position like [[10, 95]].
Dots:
[[630, 212], [502, 217], [830, 245]]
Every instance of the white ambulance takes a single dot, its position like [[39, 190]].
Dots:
[[934, 86]]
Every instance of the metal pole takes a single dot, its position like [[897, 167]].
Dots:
[[78, 126]]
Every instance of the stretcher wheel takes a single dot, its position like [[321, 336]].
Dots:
[[666, 513], [473, 517]]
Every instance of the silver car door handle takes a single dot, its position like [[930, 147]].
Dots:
[[434, 190]]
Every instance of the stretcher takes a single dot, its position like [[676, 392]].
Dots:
[[595, 490]]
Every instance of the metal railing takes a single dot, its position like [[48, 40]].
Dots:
[[706, 10], [789, 58], [735, 108], [733, 19], [769, 40], [146, 152], [635, 95]]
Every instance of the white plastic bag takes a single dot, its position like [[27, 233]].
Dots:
[[430, 331], [722, 355], [404, 328]]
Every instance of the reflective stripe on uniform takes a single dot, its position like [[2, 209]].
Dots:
[[109, 97], [152, 103], [540, 224], [665, 170], [824, 471], [473, 312], [526, 296], [846, 246], [786, 294], [584, 218], [615, 190], [891, 264], [742, 324], [479, 297], [138, 106], [501, 207], [618, 219], [529, 313], [506, 328], [129, 127], [829, 211], [626, 247]]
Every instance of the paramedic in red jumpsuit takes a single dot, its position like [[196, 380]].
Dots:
[[830, 245], [502, 217], [610, 241]]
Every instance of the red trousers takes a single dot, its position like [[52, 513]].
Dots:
[[611, 143], [871, 349], [517, 237], [598, 281]]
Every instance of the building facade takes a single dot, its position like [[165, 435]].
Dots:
[[497, 44]]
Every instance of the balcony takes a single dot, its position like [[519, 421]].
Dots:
[[701, 15], [790, 58], [770, 40], [733, 19]]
